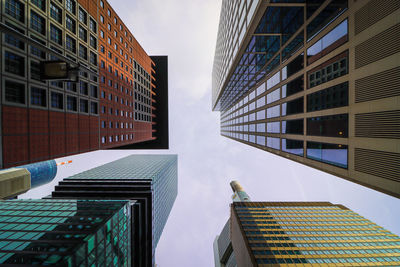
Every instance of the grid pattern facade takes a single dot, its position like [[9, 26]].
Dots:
[[313, 234], [160, 169], [299, 86], [65, 232], [43, 120]]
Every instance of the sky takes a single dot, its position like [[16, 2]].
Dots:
[[186, 31]]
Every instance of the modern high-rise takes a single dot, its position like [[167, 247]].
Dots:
[[313, 81], [112, 104], [49, 232], [307, 234], [150, 180]]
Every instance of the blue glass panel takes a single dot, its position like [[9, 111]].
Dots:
[[334, 154], [293, 146]]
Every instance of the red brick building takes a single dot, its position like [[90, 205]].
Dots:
[[43, 120]]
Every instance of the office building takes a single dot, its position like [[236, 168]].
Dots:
[[315, 82], [50, 232], [308, 234], [111, 105], [150, 180]]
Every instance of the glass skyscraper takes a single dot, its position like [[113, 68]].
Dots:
[[307, 233], [315, 82], [65, 232], [151, 180]]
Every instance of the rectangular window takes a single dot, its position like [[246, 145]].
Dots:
[[38, 97], [70, 86], [93, 42], [41, 4], [71, 103], [82, 16], [14, 64], [93, 91], [11, 40], [324, 73], [55, 12], [83, 106], [15, 92], [82, 52], [93, 58], [35, 71], [333, 154], [273, 127], [15, 9], [38, 23], [70, 23], [293, 87], [70, 44], [83, 88], [273, 142], [70, 6], [93, 107], [331, 97], [293, 67], [293, 107], [82, 34], [293, 126], [332, 126], [55, 34], [293, 146], [273, 112], [273, 96], [57, 100]]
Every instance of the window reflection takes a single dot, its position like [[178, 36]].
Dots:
[[332, 97], [293, 107], [273, 96], [293, 87], [273, 112], [328, 43], [293, 127], [273, 142], [293, 146], [334, 154], [273, 127], [333, 126]]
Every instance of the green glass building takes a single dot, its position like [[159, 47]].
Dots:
[[65, 232]]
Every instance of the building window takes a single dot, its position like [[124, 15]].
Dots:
[[101, 34], [15, 9], [15, 92], [334, 154], [293, 126], [35, 71], [83, 106], [93, 91], [331, 126], [102, 50], [93, 108], [83, 88], [115, 20], [14, 64], [103, 139], [55, 34], [109, 40], [57, 100], [293, 107], [82, 52], [101, 19], [293, 146], [40, 4], [329, 72], [38, 23], [82, 34], [331, 97], [93, 58], [70, 86], [102, 64], [93, 42], [38, 97], [71, 6], [108, 12], [70, 24], [71, 103], [92, 25], [82, 16], [101, 4], [11, 40], [70, 44], [56, 12]]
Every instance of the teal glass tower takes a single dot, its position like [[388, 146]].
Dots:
[[150, 180], [49, 232]]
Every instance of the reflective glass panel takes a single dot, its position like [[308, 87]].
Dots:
[[293, 146], [334, 154]]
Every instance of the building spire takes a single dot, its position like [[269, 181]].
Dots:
[[239, 195]]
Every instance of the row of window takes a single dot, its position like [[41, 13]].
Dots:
[[15, 93], [117, 125], [116, 138], [117, 112]]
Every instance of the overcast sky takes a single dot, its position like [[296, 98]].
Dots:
[[186, 32]]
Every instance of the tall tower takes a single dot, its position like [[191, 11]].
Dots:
[[309, 233], [309, 81]]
